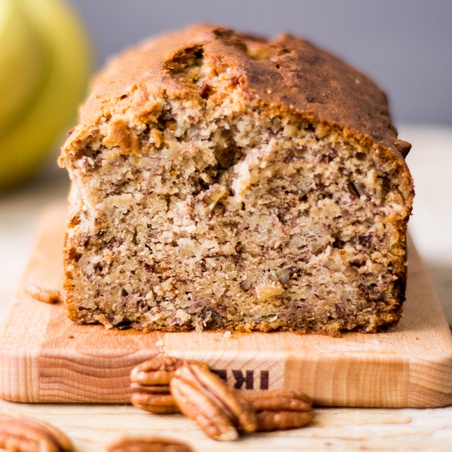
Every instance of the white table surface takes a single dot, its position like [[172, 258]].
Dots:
[[335, 429]]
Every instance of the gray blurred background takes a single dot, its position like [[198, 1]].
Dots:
[[405, 45]]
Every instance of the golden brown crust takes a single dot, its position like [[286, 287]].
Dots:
[[285, 73], [271, 167]]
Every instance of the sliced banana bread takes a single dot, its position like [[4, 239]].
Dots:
[[225, 181]]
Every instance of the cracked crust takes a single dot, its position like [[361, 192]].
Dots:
[[222, 181], [287, 72]]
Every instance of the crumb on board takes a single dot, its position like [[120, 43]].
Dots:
[[46, 295]]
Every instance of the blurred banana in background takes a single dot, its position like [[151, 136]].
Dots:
[[44, 63]]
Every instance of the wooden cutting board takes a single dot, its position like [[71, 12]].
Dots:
[[44, 357]]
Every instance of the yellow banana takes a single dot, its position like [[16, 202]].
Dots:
[[22, 63], [31, 137]]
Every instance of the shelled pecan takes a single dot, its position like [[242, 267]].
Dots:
[[166, 384], [157, 403], [203, 397], [150, 444], [150, 384], [156, 371], [280, 410], [24, 434]]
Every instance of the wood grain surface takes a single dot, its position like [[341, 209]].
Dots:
[[44, 357]]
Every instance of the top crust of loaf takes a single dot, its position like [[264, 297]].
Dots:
[[285, 74]]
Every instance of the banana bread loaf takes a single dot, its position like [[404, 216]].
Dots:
[[224, 181]]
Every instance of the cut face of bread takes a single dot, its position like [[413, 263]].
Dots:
[[200, 204]]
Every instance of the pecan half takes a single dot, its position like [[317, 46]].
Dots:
[[151, 444], [205, 398], [159, 403], [23, 434], [150, 384], [156, 371], [280, 410]]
